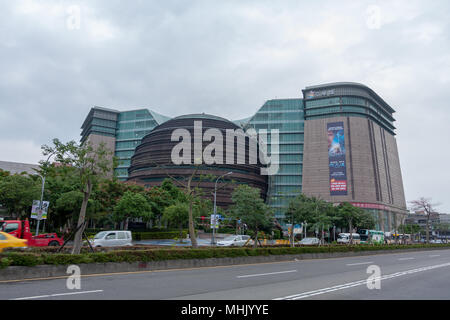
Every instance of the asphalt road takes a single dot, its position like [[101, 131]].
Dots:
[[415, 275]]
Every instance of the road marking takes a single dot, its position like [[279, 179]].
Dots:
[[359, 263], [265, 274], [403, 259], [434, 255], [58, 295], [358, 283]]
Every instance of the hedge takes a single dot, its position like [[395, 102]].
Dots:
[[46, 258]]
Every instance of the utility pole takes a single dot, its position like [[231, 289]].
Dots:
[[213, 240]]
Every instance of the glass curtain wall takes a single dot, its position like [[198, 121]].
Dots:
[[286, 115]]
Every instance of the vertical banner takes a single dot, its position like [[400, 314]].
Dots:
[[336, 159], [36, 212]]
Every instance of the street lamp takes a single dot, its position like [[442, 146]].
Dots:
[[213, 242], [42, 194]]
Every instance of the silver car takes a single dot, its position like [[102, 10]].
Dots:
[[309, 241], [234, 241], [112, 239]]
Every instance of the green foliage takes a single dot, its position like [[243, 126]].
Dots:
[[132, 205], [251, 209], [17, 193]]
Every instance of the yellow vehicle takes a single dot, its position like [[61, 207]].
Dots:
[[9, 241]]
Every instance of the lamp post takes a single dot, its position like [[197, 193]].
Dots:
[[213, 241], [42, 194], [40, 204]]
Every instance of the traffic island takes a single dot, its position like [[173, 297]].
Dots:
[[18, 266]]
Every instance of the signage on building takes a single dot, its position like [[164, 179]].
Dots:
[[320, 93], [369, 205], [336, 159]]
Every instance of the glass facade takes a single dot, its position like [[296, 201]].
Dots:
[[286, 115], [349, 106], [100, 121], [132, 126]]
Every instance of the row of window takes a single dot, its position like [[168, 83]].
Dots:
[[290, 169], [124, 154], [147, 124], [282, 127], [283, 190], [103, 130], [287, 148], [278, 116], [287, 180], [280, 105], [132, 134], [104, 123], [127, 144], [134, 115]]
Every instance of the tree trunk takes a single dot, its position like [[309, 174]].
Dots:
[[181, 232], [191, 218], [79, 235], [256, 238], [350, 231], [191, 227]]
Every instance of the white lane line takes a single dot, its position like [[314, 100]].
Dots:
[[434, 255], [403, 259], [265, 274], [358, 283], [359, 263], [58, 295]]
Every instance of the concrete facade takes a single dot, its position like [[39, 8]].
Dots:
[[374, 178]]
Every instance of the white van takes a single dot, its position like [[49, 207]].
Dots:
[[112, 239], [345, 238]]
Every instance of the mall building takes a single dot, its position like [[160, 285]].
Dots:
[[336, 141]]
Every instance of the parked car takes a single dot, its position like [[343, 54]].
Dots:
[[116, 238], [345, 238], [235, 241], [9, 241], [309, 241]]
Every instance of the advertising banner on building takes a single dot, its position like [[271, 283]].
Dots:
[[336, 159]]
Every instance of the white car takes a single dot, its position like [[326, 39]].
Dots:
[[345, 238], [112, 239], [234, 241], [309, 241]]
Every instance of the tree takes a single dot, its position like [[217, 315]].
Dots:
[[442, 228], [91, 165], [251, 209], [17, 193], [300, 210], [177, 215], [132, 205], [427, 207], [350, 215]]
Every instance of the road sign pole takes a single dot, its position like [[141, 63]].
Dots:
[[40, 206]]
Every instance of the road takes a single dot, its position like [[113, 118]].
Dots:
[[414, 275]]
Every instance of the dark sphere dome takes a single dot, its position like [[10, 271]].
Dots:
[[152, 160]]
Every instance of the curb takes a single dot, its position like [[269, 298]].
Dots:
[[42, 272]]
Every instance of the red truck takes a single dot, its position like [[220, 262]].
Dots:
[[21, 229]]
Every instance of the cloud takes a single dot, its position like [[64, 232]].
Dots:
[[225, 58]]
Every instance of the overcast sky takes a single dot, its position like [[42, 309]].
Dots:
[[59, 58]]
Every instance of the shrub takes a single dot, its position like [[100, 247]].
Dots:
[[146, 255]]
